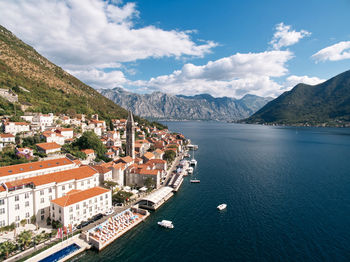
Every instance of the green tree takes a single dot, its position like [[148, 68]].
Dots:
[[169, 156], [150, 183], [121, 197], [89, 140], [24, 239], [7, 248]]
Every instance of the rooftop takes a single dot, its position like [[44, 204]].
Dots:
[[27, 167], [57, 177], [48, 146], [76, 197]]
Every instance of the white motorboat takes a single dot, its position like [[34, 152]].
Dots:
[[193, 162], [221, 207], [166, 224], [195, 181], [190, 170]]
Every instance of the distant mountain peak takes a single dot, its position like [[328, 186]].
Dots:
[[327, 103], [158, 105]]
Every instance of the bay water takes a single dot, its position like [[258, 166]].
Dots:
[[287, 192]]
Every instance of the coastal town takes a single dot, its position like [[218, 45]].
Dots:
[[80, 182]]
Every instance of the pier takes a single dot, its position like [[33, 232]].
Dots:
[[156, 199], [105, 233]]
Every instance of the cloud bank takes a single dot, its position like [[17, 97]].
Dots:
[[336, 52], [284, 36], [93, 33]]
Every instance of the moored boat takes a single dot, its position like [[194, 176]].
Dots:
[[221, 207], [195, 181], [166, 224]]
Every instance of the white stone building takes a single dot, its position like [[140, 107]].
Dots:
[[24, 198], [77, 206], [16, 127]]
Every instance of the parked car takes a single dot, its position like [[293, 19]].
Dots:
[[118, 205], [97, 217], [109, 212]]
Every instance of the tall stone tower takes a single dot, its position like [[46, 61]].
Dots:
[[130, 136]]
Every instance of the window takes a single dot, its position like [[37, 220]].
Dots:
[[16, 198], [95, 199], [106, 196], [63, 188], [77, 207], [2, 201], [101, 198], [42, 211], [82, 183], [71, 209], [2, 211], [41, 192], [42, 217], [53, 207], [17, 218], [16, 206], [71, 217], [26, 195], [90, 201], [70, 185], [2, 223], [50, 190], [42, 200], [106, 202], [84, 212], [59, 210], [90, 209], [27, 204], [27, 215]]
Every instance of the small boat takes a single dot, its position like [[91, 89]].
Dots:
[[166, 224], [193, 162], [195, 181], [221, 207], [190, 170]]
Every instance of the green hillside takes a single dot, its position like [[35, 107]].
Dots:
[[51, 89], [327, 104]]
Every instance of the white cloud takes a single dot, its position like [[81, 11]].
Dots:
[[232, 76], [284, 36], [100, 79], [83, 34], [293, 80], [336, 52]]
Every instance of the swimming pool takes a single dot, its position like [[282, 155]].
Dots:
[[61, 253]]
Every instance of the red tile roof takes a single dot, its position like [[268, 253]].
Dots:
[[77, 197], [21, 168], [148, 155], [48, 146], [57, 177], [101, 169], [88, 151], [145, 171], [6, 135]]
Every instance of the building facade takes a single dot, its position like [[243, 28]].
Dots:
[[77, 206]]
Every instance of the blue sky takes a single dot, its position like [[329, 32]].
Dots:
[[224, 48]]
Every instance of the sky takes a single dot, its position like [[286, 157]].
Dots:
[[223, 48]]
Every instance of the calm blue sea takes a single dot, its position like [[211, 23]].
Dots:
[[288, 196]]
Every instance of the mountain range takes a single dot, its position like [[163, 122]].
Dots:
[[326, 104], [163, 106]]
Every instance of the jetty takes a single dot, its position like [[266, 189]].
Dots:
[[105, 233], [154, 200]]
